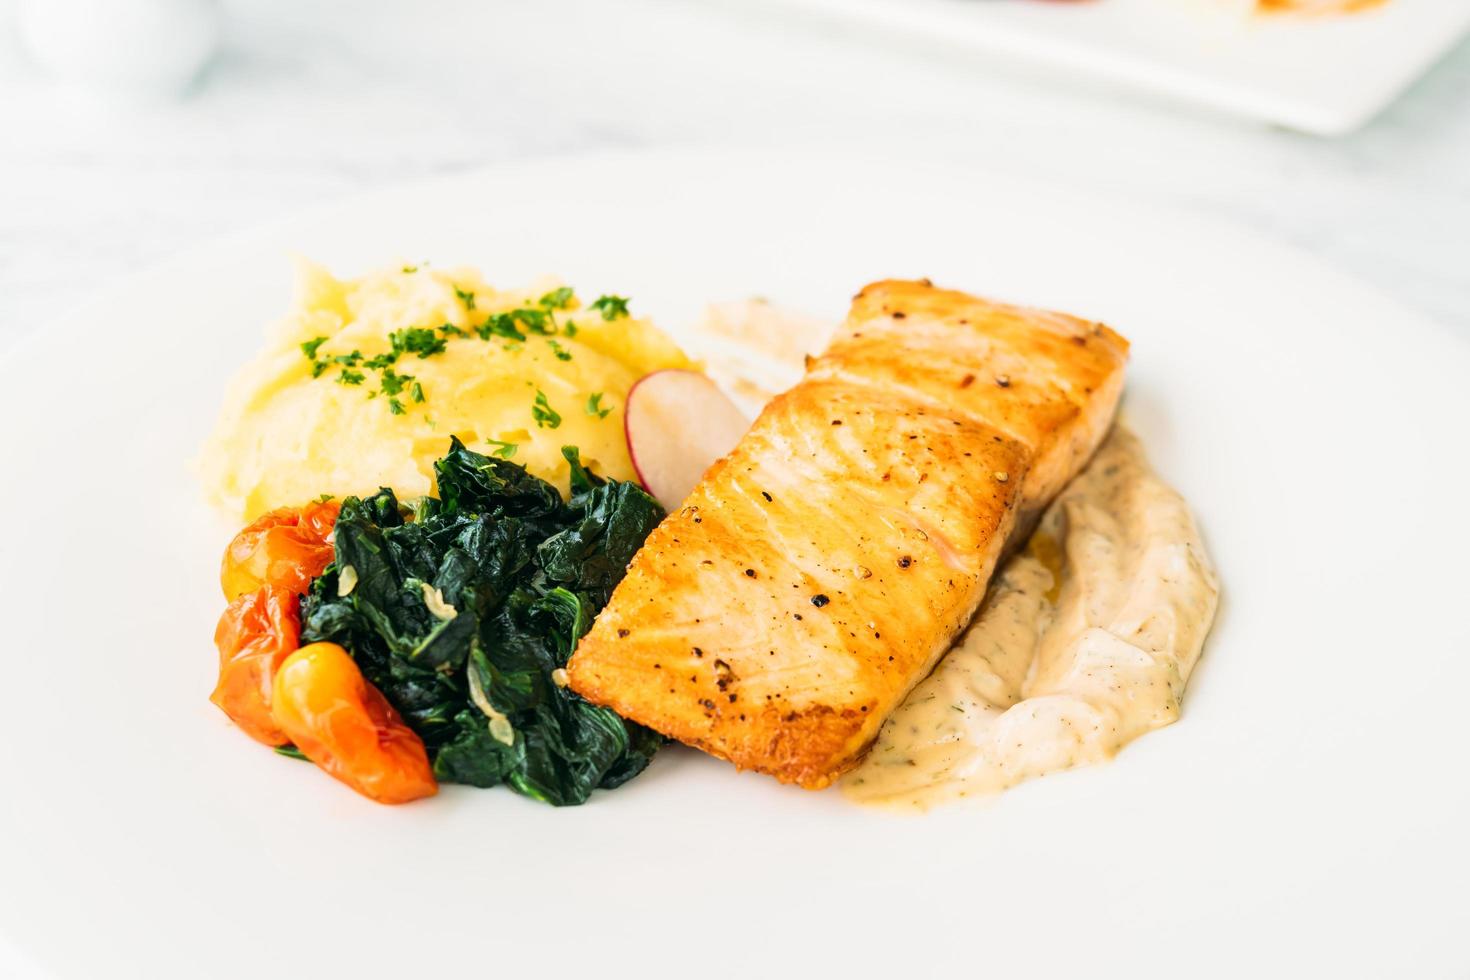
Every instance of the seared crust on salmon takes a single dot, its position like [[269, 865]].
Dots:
[[822, 568]]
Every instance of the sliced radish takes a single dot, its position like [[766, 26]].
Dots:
[[678, 423]]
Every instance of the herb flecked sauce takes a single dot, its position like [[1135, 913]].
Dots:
[[1085, 641]]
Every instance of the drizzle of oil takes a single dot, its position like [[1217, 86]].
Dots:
[[1045, 549]]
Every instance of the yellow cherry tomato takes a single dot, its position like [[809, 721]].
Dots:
[[255, 633], [324, 705]]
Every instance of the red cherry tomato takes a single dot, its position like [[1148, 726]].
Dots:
[[256, 632], [286, 547]]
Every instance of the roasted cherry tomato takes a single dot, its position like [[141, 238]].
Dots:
[[258, 631], [286, 547], [342, 723]]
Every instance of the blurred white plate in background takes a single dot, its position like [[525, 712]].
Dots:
[[1306, 816], [1325, 74]]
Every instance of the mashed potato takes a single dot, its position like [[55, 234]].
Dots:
[[364, 381]]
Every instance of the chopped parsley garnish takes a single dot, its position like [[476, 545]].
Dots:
[[325, 497], [557, 299], [319, 365], [417, 340], [409, 270], [394, 383], [594, 405], [611, 307], [510, 326], [537, 321], [499, 325], [505, 450], [546, 417]]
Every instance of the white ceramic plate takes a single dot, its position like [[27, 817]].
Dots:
[[1322, 74], [1308, 813]]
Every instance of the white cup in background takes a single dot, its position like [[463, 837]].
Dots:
[[147, 48]]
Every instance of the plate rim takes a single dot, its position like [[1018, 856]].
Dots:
[[1228, 233]]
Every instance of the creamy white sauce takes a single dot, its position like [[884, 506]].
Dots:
[[1085, 642], [1086, 638]]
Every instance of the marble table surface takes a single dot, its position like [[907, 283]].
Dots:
[[313, 102]]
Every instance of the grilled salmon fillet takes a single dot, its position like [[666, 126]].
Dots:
[[822, 568]]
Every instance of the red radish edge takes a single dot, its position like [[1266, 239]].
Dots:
[[677, 423]]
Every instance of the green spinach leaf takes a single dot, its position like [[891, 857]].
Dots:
[[463, 608]]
